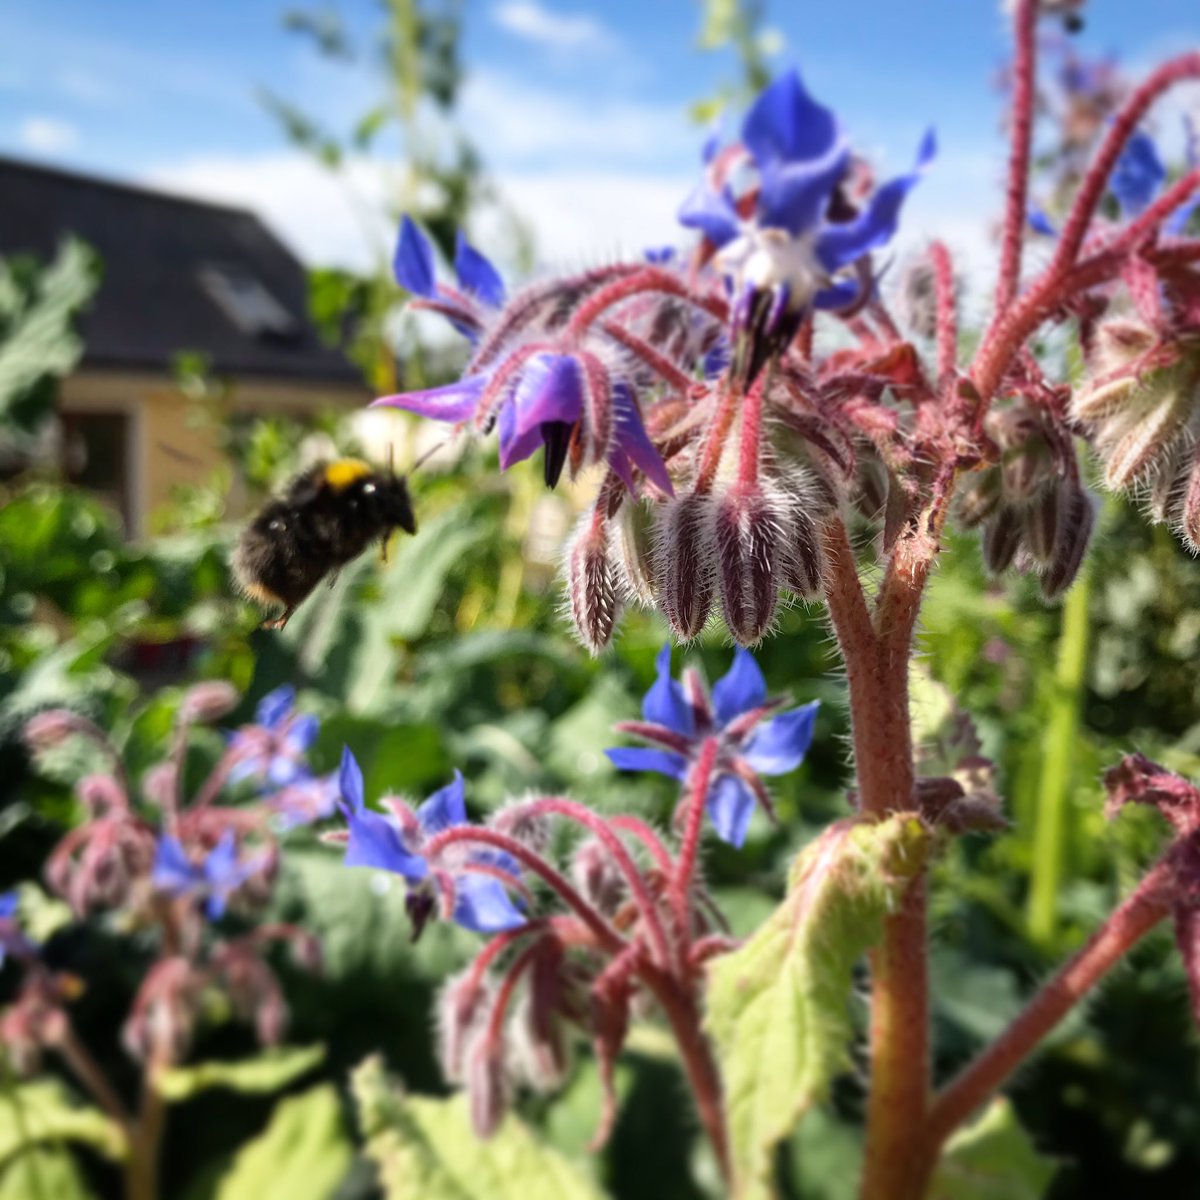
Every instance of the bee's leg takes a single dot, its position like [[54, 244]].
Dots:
[[334, 578], [278, 623], [383, 545]]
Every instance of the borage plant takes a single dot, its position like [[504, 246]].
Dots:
[[184, 879], [743, 407]]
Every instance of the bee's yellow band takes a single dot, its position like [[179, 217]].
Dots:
[[342, 472]]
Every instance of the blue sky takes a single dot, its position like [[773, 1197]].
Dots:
[[579, 108]]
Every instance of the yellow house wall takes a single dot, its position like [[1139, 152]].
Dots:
[[169, 447]]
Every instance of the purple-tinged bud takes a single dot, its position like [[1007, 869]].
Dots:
[[1041, 525], [598, 877], [1001, 537], [749, 535], [488, 1089], [49, 729], [521, 821], [1132, 447], [980, 498], [540, 1050], [462, 1005], [159, 783], [804, 563], [1187, 517], [634, 555], [685, 563], [591, 584], [1076, 519], [101, 793], [208, 701]]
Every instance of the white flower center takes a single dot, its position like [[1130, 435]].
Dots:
[[767, 259]]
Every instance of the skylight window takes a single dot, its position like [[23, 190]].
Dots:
[[246, 302]]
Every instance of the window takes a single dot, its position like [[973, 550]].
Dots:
[[246, 302], [96, 456]]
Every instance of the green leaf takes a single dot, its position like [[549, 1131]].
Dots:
[[777, 1007], [43, 1175], [425, 1149], [303, 1154], [991, 1159], [42, 1111], [38, 345], [266, 1072]]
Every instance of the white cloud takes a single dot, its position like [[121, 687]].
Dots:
[[514, 122], [535, 23], [47, 135]]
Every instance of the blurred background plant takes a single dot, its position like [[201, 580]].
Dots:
[[453, 654]]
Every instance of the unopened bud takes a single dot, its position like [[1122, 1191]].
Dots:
[[1001, 537], [461, 1006], [540, 1051], [685, 553], [1041, 525], [521, 821], [1133, 447], [208, 701], [598, 877], [158, 784], [980, 498], [49, 729], [804, 563], [1076, 519], [487, 1085], [749, 552], [633, 551], [591, 584], [1188, 513], [98, 793], [918, 297]]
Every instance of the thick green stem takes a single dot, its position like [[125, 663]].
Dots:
[[1058, 753]]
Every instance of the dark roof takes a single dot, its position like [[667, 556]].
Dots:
[[179, 275]]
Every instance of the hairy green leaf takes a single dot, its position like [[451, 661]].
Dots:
[[42, 1111], [303, 1154], [266, 1072], [991, 1159], [777, 1007], [42, 1174], [425, 1149]]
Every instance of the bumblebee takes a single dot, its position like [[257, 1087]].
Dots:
[[324, 519]]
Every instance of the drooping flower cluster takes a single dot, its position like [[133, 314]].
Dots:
[[632, 919], [166, 862]]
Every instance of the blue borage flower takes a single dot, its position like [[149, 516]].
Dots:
[[793, 241], [273, 749], [213, 880], [680, 717], [1138, 177], [12, 940], [549, 400], [476, 883]]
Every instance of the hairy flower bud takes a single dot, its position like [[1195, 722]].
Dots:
[[1145, 436], [1187, 514], [633, 552], [520, 820], [49, 729], [685, 557], [980, 498], [591, 584], [749, 535], [597, 876], [158, 784], [100, 793], [1040, 533], [804, 563], [1001, 537], [1076, 519], [461, 1007], [488, 1089], [208, 701]]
